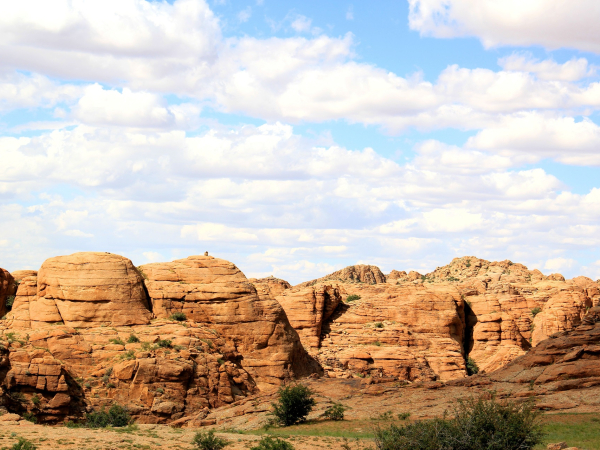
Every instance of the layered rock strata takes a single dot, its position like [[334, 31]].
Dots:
[[214, 291], [7, 289]]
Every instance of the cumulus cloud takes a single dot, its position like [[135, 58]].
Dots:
[[511, 22], [572, 70]]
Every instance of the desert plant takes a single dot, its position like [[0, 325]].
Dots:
[[9, 302], [133, 339], [208, 441], [378, 325], [118, 341], [271, 443], [36, 400], [164, 343], [472, 367], [477, 424], [30, 417], [129, 354], [178, 316], [23, 444], [403, 416], [335, 412], [352, 298], [294, 404], [535, 311], [116, 416]]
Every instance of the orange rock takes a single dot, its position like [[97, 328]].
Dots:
[[215, 292], [89, 289], [7, 288], [360, 273]]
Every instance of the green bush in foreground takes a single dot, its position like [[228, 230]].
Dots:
[[116, 416], [294, 404], [23, 444], [270, 443], [335, 412], [477, 424], [206, 440]]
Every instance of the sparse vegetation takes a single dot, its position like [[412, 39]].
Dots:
[[535, 311], [206, 440], [271, 443], [36, 400], [472, 367], [164, 343], [352, 298], [451, 278], [378, 325], [129, 354], [23, 444], [403, 416], [133, 339], [294, 404], [30, 417], [178, 316], [9, 302], [335, 412], [117, 341], [116, 416], [476, 424]]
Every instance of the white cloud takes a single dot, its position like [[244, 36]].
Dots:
[[533, 136], [350, 13], [153, 256], [245, 14], [559, 264], [572, 70], [511, 22], [301, 24]]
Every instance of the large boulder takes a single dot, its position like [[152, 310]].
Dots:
[[361, 273], [87, 289], [215, 292]]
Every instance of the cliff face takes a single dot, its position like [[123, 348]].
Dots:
[[90, 328], [412, 326]]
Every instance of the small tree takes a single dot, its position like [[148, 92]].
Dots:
[[206, 440], [294, 404], [270, 443], [472, 367], [335, 412]]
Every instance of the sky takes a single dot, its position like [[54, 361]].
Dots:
[[295, 138]]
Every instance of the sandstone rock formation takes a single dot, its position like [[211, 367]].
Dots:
[[360, 273], [270, 286], [214, 291], [85, 290], [307, 309]]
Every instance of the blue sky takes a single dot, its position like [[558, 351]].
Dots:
[[296, 138]]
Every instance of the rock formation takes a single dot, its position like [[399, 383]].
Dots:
[[7, 288], [80, 336], [87, 289], [352, 274]]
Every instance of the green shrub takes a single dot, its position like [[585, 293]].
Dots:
[[117, 416], [164, 343], [178, 316], [118, 341], [472, 367], [378, 325], [294, 404], [403, 416], [36, 400], [9, 302], [477, 424], [133, 339], [535, 311], [30, 417], [129, 354], [23, 444], [271, 443], [208, 441], [335, 412], [352, 298]]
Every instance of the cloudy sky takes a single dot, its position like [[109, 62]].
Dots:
[[295, 138]]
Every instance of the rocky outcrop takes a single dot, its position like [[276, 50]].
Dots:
[[360, 273], [307, 309], [158, 371], [86, 289], [408, 332], [270, 286], [215, 292]]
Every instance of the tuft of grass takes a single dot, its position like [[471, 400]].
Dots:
[[178, 316], [535, 311], [352, 298], [164, 343], [118, 341], [378, 325], [133, 339]]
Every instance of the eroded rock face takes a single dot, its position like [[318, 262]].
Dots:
[[174, 369], [215, 292], [409, 332], [270, 286], [87, 289], [307, 309]]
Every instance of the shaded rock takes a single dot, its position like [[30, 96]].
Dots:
[[7, 288]]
